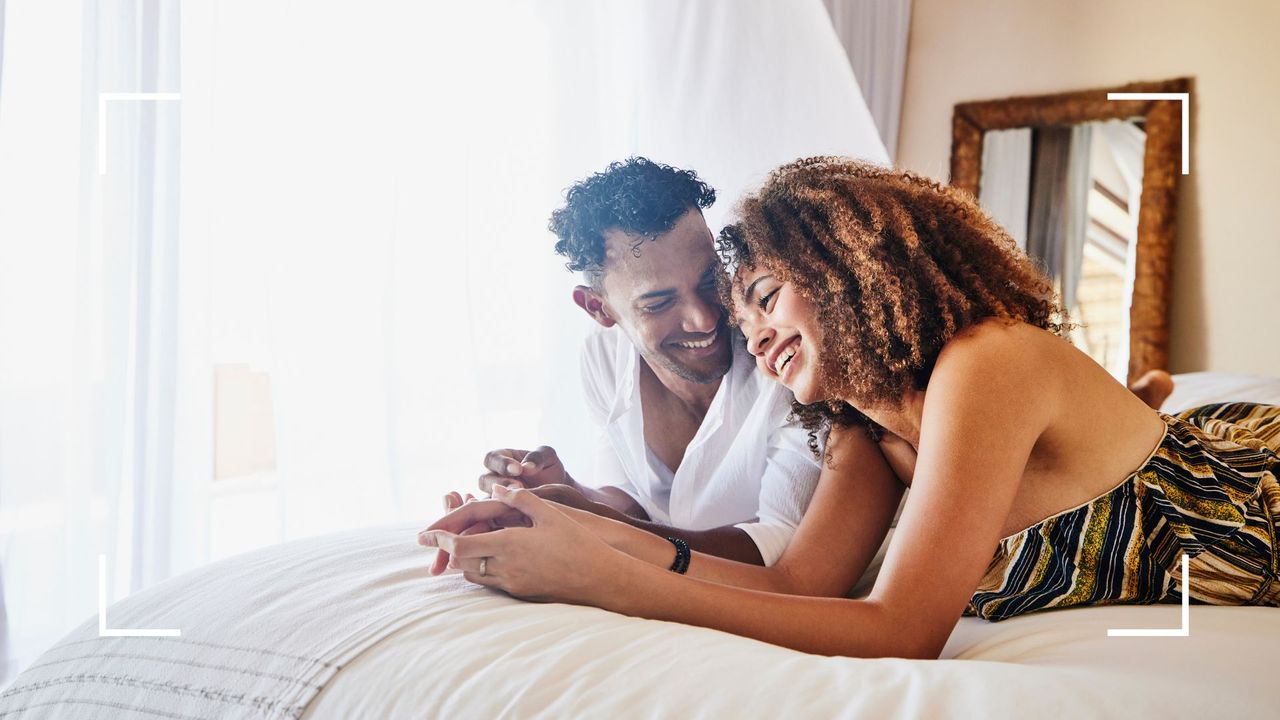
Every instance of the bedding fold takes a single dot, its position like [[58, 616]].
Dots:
[[261, 633]]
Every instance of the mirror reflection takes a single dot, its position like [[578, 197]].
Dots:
[[1069, 195]]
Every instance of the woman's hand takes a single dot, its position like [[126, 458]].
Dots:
[[553, 558], [472, 518], [482, 516]]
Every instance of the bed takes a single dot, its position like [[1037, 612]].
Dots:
[[350, 625]]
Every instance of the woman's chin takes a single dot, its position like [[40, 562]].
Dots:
[[802, 390], [803, 394]]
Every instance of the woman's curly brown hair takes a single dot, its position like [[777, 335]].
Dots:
[[896, 265]]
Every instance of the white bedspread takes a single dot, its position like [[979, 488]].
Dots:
[[491, 656], [350, 625], [261, 634], [355, 618], [1201, 388]]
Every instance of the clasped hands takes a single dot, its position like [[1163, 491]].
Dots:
[[530, 538]]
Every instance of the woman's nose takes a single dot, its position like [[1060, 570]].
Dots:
[[759, 341]]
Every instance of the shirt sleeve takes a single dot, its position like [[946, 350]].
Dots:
[[599, 384], [790, 477]]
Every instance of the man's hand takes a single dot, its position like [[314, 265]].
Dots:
[[523, 469], [570, 496]]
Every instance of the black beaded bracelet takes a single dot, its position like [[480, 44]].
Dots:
[[681, 563]]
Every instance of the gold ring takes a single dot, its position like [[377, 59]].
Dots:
[[484, 566]]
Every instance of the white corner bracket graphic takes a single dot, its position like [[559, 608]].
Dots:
[[103, 630], [102, 117], [1184, 631], [1185, 99]]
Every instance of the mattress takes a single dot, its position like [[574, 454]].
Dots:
[[492, 657], [350, 625], [446, 648]]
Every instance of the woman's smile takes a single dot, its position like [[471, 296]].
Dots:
[[783, 360]]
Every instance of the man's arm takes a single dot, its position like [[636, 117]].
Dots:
[[729, 542], [612, 497], [732, 543], [788, 478], [835, 543]]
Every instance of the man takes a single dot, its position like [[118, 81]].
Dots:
[[694, 443]]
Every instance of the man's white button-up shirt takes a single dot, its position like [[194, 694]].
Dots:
[[747, 465]]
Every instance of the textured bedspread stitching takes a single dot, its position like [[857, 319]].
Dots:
[[219, 646], [261, 703], [192, 663]]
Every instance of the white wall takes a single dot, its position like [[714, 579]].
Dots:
[[1226, 284]]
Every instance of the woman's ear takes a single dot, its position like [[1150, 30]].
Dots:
[[592, 304]]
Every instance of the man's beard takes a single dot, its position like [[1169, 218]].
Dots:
[[704, 375]]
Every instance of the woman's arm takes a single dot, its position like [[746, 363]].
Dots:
[[985, 409], [841, 530]]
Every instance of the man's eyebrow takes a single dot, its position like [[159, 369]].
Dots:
[[668, 292], [652, 294]]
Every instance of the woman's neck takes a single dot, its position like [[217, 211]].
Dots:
[[902, 419]]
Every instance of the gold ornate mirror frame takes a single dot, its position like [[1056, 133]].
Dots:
[[1161, 166]]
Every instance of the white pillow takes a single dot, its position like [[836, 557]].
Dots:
[[1202, 388]]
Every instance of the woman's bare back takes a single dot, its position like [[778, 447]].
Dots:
[[1101, 431]]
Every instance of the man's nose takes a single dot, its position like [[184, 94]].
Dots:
[[703, 316]]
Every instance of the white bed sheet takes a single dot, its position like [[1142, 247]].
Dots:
[[458, 650], [445, 648], [486, 655], [489, 655], [1202, 388]]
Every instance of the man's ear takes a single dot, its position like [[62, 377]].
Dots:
[[592, 304]]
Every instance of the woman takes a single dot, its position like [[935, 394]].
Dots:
[[899, 314]]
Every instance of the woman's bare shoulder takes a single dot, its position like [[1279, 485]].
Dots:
[[1003, 346], [996, 331]]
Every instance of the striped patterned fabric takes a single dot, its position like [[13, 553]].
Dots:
[[1209, 490]]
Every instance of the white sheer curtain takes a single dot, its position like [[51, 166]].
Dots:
[[1076, 200], [97, 440], [1005, 185], [1127, 144], [5, 651], [364, 192], [874, 34], [1059, 212]]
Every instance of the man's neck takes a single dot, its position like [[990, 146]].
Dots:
[[695, 397]]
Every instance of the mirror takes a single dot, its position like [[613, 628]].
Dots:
[[1069, 196], [1088, 188]]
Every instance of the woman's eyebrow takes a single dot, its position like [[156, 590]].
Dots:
[[752, 288]]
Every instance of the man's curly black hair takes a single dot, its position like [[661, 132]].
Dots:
[[637, 196]]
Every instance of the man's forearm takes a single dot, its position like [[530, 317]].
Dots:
[[623, 506], [728, 542]]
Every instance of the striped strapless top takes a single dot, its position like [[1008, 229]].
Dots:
[[1208, 490]]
